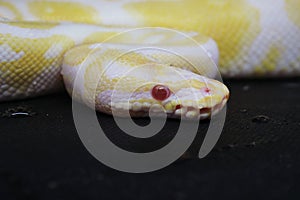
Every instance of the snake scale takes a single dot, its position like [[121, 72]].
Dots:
[[43, 42]]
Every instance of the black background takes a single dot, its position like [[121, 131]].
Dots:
[[42, 157]]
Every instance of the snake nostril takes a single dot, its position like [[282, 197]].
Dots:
[[207, 90], [160, 92]]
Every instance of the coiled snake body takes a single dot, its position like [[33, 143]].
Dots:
[[40, 40]]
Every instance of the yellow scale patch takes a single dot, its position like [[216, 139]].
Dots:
[[219, 19], [77, 55], [270, 61], [22, 72], [293, 8], [94, 70], [133, 59], [64, 11]]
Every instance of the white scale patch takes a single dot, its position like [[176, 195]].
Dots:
[[22, 7], [190, 94], [272, 31], [23, 32], [7, 54], [79, 32], [112, 11], [6, 13]]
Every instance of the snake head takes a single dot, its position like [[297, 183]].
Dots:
[[177, 92], [136, 85]]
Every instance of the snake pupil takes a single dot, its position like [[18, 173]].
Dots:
[[160, 92]]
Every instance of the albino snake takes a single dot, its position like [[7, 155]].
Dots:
[[40, 40]]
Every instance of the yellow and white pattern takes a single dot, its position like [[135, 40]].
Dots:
[[248, 37]]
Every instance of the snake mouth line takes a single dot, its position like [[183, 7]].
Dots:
[[190, 112], [183, 112]]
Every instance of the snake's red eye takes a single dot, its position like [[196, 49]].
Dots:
[[160, 92]]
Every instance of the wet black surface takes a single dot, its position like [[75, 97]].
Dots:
[[257, 155]]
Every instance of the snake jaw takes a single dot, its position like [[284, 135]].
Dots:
[[196, 109], [187, 103], [185, 112], [189, 112], [197, 102], [195, 99]]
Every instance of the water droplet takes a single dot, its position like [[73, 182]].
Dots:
[[260, 119], [243, 110], [246, 87], [18, 112]]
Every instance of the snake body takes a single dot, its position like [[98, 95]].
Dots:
[[42, 39]]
